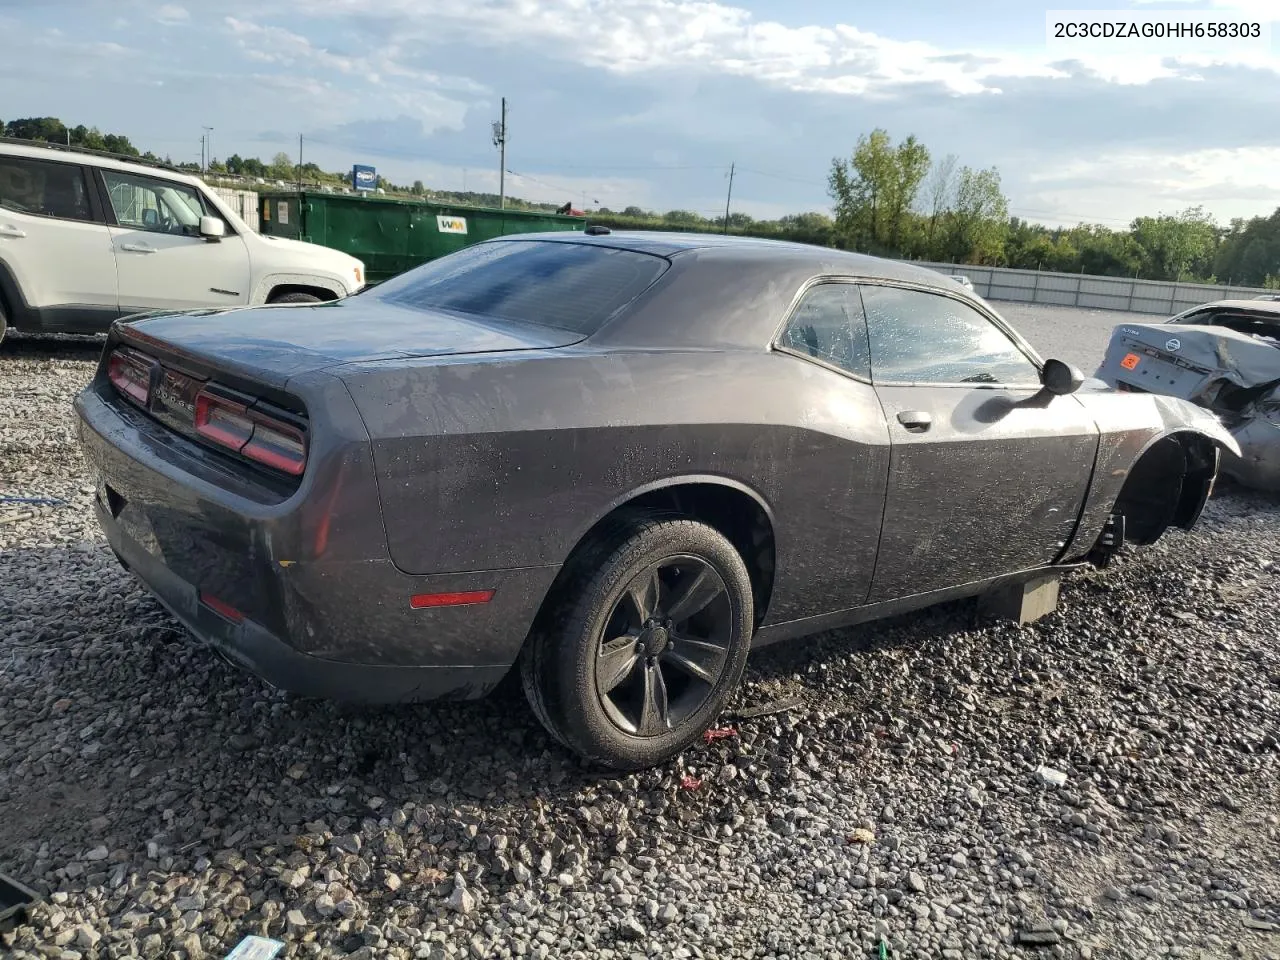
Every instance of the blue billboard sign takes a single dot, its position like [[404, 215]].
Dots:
[[364, 178]]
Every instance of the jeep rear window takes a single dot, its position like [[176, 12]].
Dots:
[[569, 286], [43, 188]]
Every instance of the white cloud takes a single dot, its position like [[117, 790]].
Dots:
[[699, 36], [171, 14], [1262, 9], [1229, 182], [412, 92]]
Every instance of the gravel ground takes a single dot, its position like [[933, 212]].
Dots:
[[1068, 333], [169, 805]]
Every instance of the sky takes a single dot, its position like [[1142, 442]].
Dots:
[[649, 102]]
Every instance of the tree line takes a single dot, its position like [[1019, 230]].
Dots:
[[889, 199], [897, 200]]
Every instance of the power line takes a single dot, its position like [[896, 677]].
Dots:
[[782, 176]]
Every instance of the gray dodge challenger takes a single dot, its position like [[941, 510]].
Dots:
[[615, 462]]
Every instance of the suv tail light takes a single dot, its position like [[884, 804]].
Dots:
[[252, 433], [131, 374]]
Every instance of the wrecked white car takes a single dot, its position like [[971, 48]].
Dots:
[[1224, 356]]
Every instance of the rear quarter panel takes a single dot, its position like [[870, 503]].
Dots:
[[508, 461]]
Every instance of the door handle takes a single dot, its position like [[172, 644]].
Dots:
[[137, 247], [8, 231], [916, 421]]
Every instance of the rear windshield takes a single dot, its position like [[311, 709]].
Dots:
[[1265, 326], [569, 286]]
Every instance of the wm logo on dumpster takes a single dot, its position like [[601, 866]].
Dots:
[[451, 224]]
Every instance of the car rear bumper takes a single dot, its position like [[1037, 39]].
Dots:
[[300, 591], [256, 649]]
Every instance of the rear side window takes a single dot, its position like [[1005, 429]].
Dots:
[[43, 188], [569, 286], [828, 325]]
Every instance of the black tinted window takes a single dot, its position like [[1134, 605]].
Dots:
[[828, 326], [570, 286], [921, 337], [43, 188]]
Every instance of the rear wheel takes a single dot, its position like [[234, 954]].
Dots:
[[295, 298], [646, 645], [4, 322]]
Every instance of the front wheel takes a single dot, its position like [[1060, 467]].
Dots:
[[647, 644]]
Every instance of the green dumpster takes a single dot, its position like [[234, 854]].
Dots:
[[390, 234]]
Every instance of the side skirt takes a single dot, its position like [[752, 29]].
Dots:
[[792, 629]]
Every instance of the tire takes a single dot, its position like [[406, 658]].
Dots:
[[295, 298], [4, 323], [604, 697]]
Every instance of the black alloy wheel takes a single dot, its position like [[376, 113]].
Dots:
[[665, 646], [643, 642]]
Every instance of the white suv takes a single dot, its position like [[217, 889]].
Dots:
[[85, 240]]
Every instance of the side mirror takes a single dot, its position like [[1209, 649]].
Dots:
[[1061, 378], [212, 228]]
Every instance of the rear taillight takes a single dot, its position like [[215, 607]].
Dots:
[[277, 445], [223, 421], [130, 373], [251, 433]]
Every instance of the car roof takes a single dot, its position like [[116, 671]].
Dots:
[[732, 292], [826, 260], [57, 154], [1254, 306]]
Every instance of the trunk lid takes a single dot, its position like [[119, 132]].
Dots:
[[271, 344], [1188, 361]]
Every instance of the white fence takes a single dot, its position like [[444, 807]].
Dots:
[[1098, 293], [244, 203]]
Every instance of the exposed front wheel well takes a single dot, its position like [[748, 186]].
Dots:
[[296, 291], [1167, 487]]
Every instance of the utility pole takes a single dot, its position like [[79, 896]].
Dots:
[[300, 163], [500, 141], [208, 142], [729, 198], [202, 153]]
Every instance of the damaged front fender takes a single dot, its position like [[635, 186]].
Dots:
[[1158, 459], [1183, 416]]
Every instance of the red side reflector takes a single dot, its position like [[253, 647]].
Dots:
[[221, 608], [420, 600]]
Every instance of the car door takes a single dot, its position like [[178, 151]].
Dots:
[[834, 503], [987, 471], [161, 259], [55, 243]]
